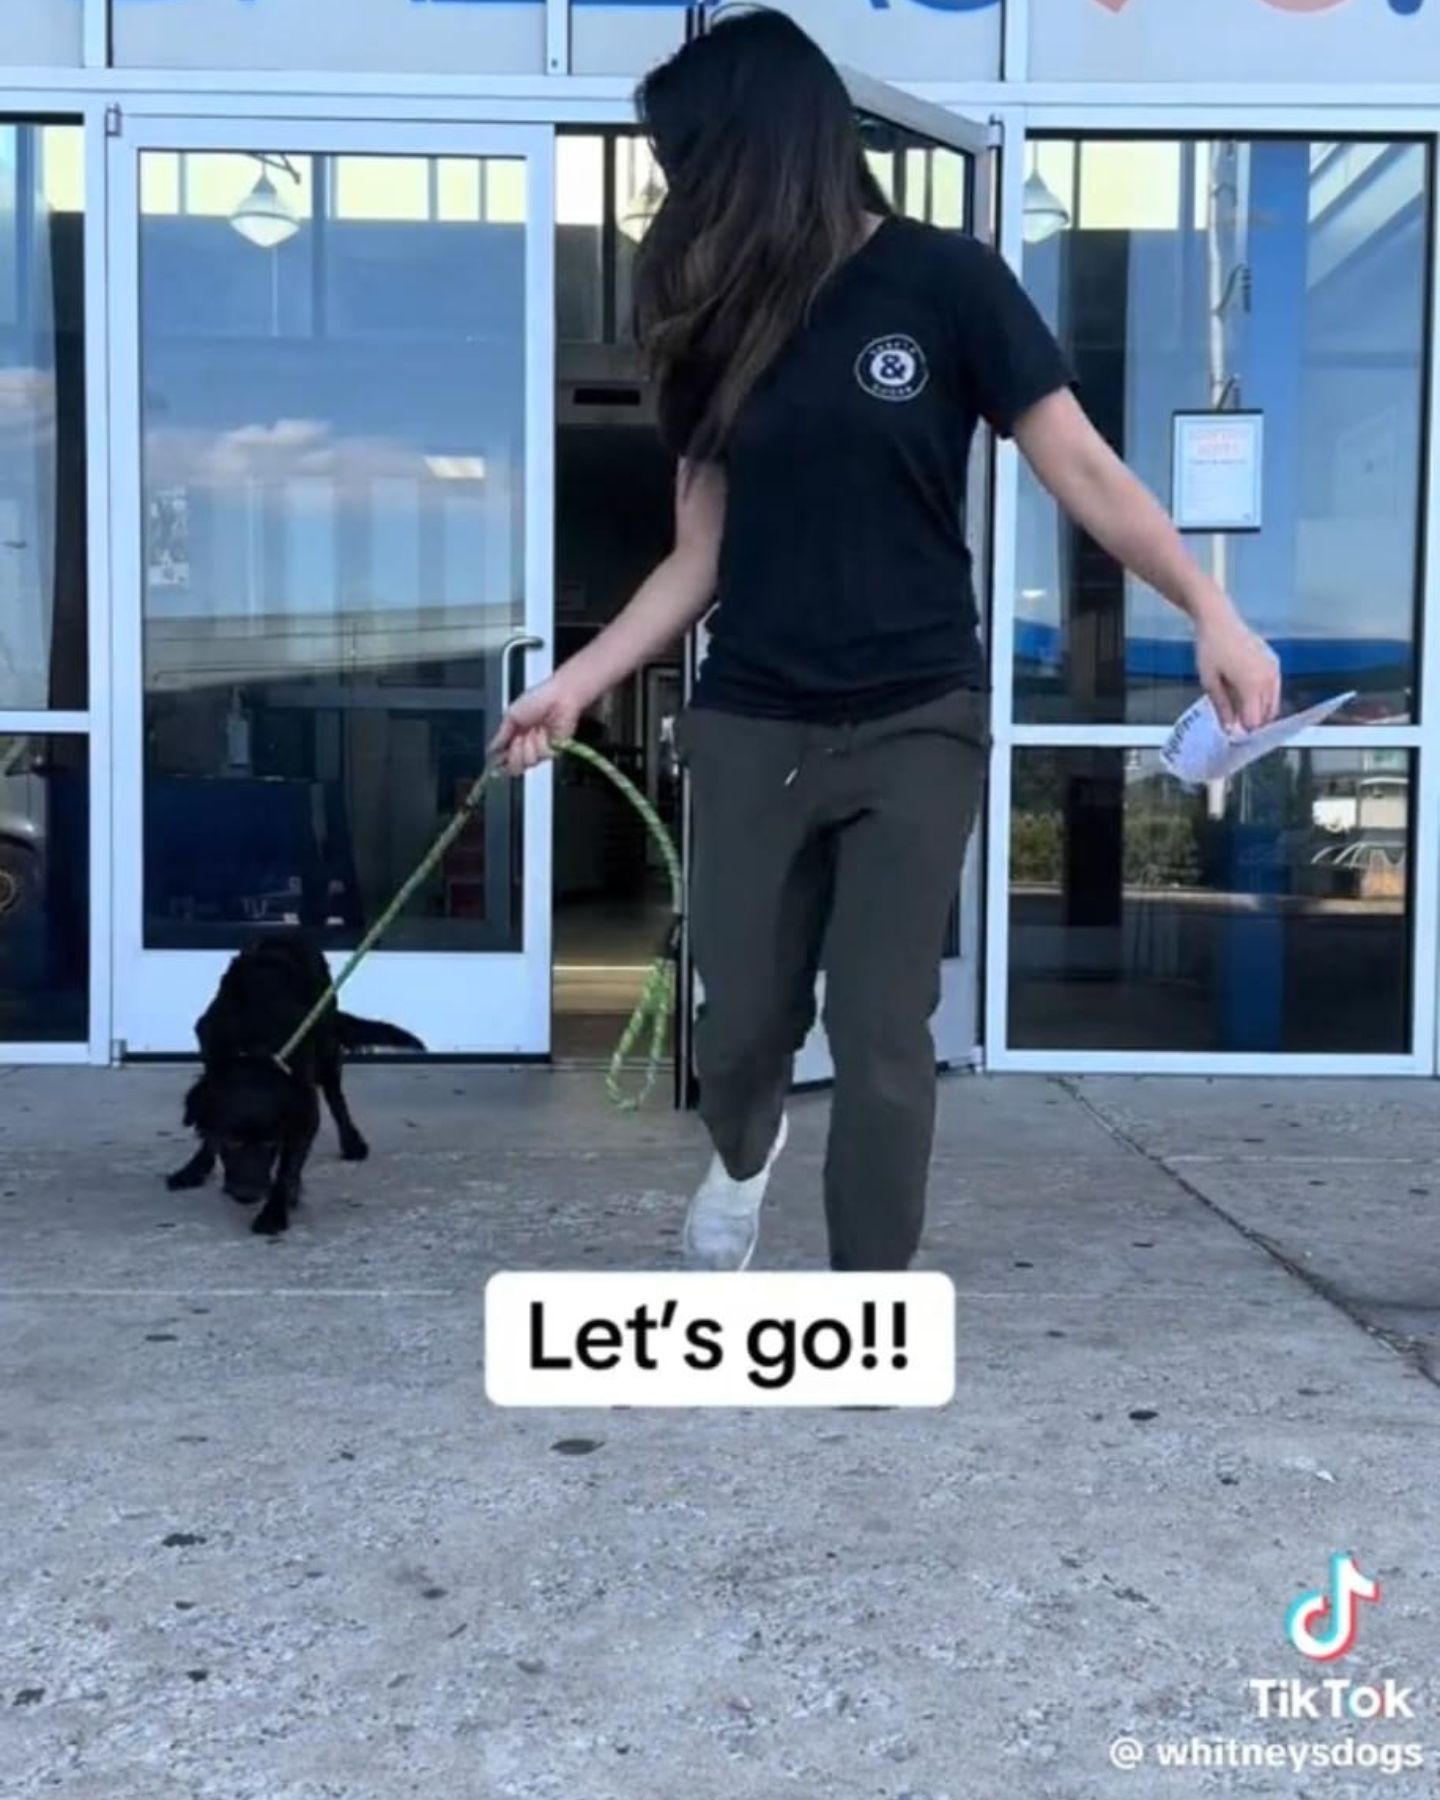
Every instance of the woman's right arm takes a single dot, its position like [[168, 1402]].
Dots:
[[667, 604]]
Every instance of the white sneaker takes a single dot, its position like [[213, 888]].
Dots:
[[722, 1226]]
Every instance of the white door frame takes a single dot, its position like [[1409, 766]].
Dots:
[[460, 1003]]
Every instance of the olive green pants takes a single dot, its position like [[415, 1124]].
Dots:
[[834, 848]]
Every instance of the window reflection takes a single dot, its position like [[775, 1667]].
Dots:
[[639, 190], [579, 217], [43, 583], [608, 187], [44, 889], [921, 180], [1271, 914], [1279, 275], [334, 445]]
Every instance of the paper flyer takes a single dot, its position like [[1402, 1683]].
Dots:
[[1200, 750]]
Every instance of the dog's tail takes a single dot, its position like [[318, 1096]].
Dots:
[[373, 1034]]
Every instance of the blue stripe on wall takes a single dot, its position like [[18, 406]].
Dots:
[[1173, 659]]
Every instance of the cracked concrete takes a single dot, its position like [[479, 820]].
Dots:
[[266, 1541], [1339, 1180]]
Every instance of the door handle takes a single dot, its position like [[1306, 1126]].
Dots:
[[513, 653], [669, 749]]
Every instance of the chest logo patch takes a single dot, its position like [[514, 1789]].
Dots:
[[892, 368]]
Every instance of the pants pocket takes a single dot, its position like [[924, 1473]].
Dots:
[[962, 715], [968, 716]]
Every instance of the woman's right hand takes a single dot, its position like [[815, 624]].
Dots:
[[529, 731]]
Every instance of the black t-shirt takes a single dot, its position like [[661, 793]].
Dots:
[[846, 588]]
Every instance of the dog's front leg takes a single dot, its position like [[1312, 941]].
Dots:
[[197, 1171], [284, 1195]]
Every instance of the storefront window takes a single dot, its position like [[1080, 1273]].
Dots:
[[639, 190], [920, 180], [1283, 277], [1271, 916], [608, 187], [580, 256]]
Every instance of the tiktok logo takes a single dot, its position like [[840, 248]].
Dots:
[[1324, 1624]]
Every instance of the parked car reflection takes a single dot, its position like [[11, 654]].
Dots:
[[44, 889], [21, 830]]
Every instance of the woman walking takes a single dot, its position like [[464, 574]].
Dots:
[[822, 367]]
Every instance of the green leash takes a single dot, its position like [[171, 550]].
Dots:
[[656, 1005]]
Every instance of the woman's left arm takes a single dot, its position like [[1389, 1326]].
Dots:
[[1239, 671]]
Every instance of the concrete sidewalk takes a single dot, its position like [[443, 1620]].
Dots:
[[266, 1541]]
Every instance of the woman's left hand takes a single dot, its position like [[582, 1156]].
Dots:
[[1238, 670]]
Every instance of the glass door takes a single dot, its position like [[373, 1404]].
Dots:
[[333, 428], [939, 167]]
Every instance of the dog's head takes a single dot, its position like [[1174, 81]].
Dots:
[[246, 1109]]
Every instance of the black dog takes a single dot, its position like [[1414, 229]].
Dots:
[[256, 1118]]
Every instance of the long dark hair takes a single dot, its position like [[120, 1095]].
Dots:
[[767, 192]]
